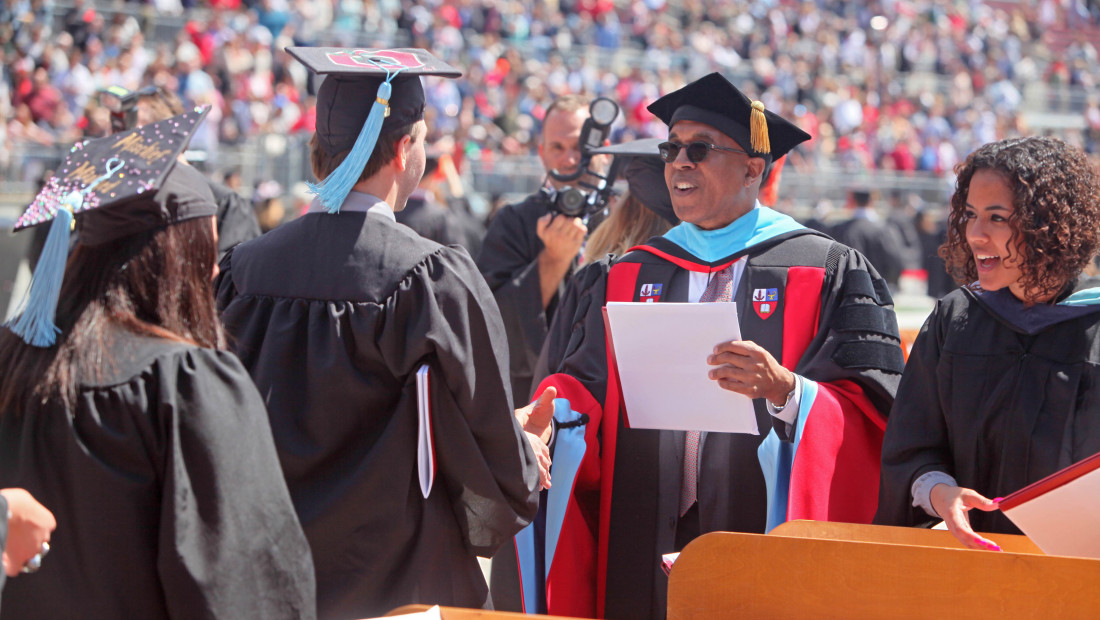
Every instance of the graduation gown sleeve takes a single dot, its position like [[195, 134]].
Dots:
[[853, 362], [572, 506], [230, 544], [3, 535], [916, 439], [484, 457]]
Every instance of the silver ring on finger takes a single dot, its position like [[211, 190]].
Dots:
[[35, 562]]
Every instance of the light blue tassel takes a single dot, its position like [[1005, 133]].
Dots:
[[36, 324], [335, 187]]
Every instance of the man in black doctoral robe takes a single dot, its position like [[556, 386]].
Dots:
[[333, 314], [530, 249], [821, 361]]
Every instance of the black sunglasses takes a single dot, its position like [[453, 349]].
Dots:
[[696, 151]]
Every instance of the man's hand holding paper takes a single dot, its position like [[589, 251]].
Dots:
[[747, 368]]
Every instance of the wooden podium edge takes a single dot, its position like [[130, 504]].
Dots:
[[755, 576], [886, 534]]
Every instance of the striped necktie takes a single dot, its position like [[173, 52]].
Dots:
[[720, 288]]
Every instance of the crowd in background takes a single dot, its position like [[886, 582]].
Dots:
[[900, 85]]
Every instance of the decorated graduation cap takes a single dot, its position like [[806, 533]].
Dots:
[[365, 91], [117, 186], [714, 101], [644, 173]]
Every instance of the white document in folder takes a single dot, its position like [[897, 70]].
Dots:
[[425, 451], [661, 352]]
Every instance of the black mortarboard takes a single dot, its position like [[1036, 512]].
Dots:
[[645, 174], [366, 90], [118, 186], [714, 101]]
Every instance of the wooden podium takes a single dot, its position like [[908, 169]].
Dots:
[[459, 613], [835, 570]]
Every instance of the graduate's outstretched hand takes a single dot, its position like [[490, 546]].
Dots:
[[747, 368], [536, 420], [952, 504], [30, 526], [536, 417]]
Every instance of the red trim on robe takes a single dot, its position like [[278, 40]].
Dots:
[[621, 282], [800, 320], [679, 262], [572, 574], [835, 471], [835, 475]]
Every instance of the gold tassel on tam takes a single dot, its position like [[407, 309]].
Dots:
[[759, 128]]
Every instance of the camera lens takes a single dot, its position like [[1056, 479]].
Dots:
[[603, 111], [571, 201]]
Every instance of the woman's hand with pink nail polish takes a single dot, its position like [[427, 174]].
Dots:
[[952, 503]]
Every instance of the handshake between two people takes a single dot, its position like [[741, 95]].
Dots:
[[740, 366], [536, 420]]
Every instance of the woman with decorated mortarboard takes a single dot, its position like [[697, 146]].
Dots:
[[335, 314], [124, 415], [1000, 387]]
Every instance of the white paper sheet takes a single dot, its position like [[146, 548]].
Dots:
[[425, 452], [661, 351], [432, 613], [1063, 521]]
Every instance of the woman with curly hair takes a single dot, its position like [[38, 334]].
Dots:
[[1001, 388]]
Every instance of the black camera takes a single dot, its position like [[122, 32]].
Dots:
[[569, 201], [593, 188]]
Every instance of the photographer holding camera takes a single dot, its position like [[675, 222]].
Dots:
[[532, 247]]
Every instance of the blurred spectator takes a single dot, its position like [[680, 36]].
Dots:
[[901, 86], [867, 232], [267, 201]]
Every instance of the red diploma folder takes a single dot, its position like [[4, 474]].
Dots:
[[1060, 512]]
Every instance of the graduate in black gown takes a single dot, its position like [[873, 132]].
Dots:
[[821, 358], [128, 419], [1000, 389], [334, 313], [866, 232]]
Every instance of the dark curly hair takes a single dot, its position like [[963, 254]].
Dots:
[[1057, 212]]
